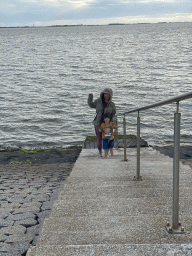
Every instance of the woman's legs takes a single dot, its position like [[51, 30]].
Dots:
[[99, 139]]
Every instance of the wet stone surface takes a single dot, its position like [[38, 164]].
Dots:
[[50, 156], [185, 151], [27, 193]]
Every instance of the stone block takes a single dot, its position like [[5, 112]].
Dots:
[[34, 230], [39, 197], [21, 216], [14, 249], [20, 238], [3, 237], [35, 203], [35, 240], [19, 210], [26, 222], [42, 215], [47, 205], [27, 208], [13, 230], [4, 214], [5, 223]]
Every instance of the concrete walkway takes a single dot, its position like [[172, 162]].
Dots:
[[102, 211]]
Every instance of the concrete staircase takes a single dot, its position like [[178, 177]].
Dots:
[[102, 211]]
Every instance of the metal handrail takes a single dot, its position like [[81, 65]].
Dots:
[[177, 120], [161, 103]]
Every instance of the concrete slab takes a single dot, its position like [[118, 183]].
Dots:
[[102, 211], [114, 250]]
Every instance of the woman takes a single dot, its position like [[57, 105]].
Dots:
[[103, 105]]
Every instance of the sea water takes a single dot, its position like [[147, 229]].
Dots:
[[46, 74]]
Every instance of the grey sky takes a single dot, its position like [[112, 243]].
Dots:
[[61, 12]]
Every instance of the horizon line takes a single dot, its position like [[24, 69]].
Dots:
[[109, 24]]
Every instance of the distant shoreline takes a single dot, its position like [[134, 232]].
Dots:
[[110, 24]]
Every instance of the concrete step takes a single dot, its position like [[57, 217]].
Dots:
[[102, 211], [114, 250]]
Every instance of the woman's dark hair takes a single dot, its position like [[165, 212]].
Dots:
[[103, 97]]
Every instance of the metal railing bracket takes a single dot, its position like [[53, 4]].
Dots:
[[179, 230], [137, 179]]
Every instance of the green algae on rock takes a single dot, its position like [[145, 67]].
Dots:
[[40, 156]]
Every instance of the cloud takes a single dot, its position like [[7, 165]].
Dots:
[[27, 12], [153, 1], [58, 3], [178, 17]]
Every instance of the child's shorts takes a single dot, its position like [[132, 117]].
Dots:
[[107, 144]]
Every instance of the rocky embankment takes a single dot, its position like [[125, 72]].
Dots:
[[185, 153], [131, 142], [29, 184]]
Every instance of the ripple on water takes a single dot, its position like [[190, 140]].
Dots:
[[48, 74]]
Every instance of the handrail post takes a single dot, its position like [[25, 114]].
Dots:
[[125, 144], [138, 147], [177, 120]]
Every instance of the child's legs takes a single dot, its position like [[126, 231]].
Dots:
[[111, 146], [106, 146], [111, 151]]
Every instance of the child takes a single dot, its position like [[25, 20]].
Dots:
[[107, 135]]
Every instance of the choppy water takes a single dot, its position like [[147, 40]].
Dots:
[[46, 75]]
